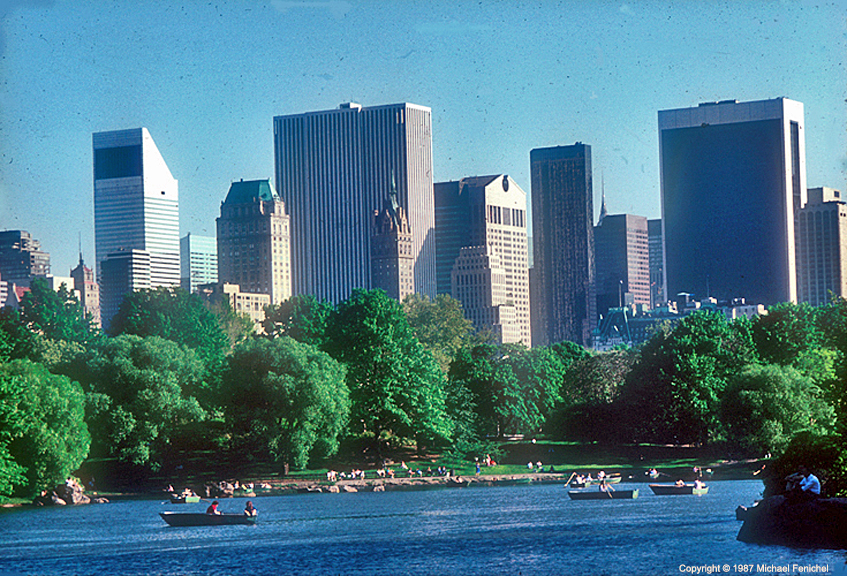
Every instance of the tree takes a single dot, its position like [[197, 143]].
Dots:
[[285, 400], [786, 333], [302, 317], [237, 326], [43, 434], [56, 314], [16, 340], [176, 315], [672, 393], [395, 385], [142, 396], [764, 407], [439, 324]]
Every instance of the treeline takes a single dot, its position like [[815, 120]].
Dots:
[[173, 376]]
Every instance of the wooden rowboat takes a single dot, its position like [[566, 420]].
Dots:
[[200, 519], [592, 495], [595, 482], [673, 489], [185, 499]]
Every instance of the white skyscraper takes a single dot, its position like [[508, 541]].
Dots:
[[136, 204], [198, 261], [333, 169]]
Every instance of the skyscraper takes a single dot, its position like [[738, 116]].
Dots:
[[392, 263], [198, 261], [136, 209], [822, 247], [333, 169], [622, 261], [733, 179], [657, 263], [563, 289], [488, 214], [121, 272], [254, 249]]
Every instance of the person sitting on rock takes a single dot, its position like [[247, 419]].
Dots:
[[810, 486]]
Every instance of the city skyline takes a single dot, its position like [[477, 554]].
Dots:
[[524, 77]]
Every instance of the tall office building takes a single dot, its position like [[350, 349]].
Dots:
[[332, 169], [489, 213], [88, 290], [622, 262], [657, 263], [198, 261], [254, 249], [563, 286], [822, 247], [392, 263], [733, 178], [136, 208], [121, 272], [21, 258]]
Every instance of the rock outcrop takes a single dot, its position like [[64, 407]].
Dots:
[[68, 494], [818, 523]]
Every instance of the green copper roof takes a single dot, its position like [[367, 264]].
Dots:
[[244, 192]]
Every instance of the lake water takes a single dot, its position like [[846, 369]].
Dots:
[[529, 530]]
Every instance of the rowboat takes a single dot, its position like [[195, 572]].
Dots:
[[199, 519], [185, 499], [595, 482], [610, 495], [673, 489]]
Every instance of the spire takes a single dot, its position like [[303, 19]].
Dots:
[[603, 212]]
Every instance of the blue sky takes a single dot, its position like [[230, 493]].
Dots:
[[207, 77]]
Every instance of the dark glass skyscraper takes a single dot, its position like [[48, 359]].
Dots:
[[563, 291], [733, 180]]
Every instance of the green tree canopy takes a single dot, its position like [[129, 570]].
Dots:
[[285, 400], [43, 434], [16, 340], [176, 315], [786, 333], [764, 407], [395, 385], [56, 314], [439, 324], [302, 317], [141, 396], [672, 394]]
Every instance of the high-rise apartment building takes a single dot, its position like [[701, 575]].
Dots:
[[333, 169], [21, 258], [254, 249], [136, 207], [822, 247], [487, 213], [88, 290], [733, 178], [622, 261], [563, 286], [198, 261], [392, 263], [657, 263]]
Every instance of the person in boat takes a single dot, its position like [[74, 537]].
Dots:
[[213, 508], [699, 483], [680, 482], [605, 486], [249, 510]]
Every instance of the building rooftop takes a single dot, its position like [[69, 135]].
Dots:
[[245, 192]]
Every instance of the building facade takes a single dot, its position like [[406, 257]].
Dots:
[[88, 290], [136, 208], [332, 169], [21, 258], [254, 246], [563, 288], [733, 179], [392, 262], [487, 213], [622, 261], [198, 261], [657, 263], [251, 304], [822, 247], [121, 273]]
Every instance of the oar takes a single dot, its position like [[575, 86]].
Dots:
[[569, 479]]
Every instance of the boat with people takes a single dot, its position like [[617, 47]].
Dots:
[[675, 489], [582, 482], [201, 519], [603, 495], [184, 499]]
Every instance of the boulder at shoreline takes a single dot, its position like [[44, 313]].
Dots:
[[817, 523], [68, 494]]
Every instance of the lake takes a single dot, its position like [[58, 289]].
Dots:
[[529, 530]]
